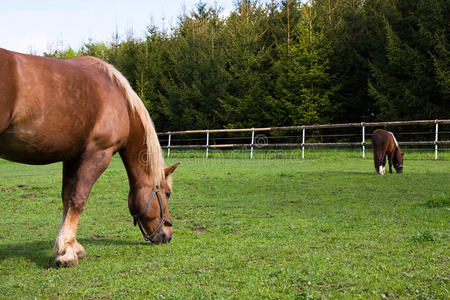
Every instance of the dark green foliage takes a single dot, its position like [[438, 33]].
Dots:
[[353, 39], [304, 84], [409, 82], [289, 62], [248, 64], [195, 79]]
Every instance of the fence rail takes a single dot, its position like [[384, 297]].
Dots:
[[207, 145]]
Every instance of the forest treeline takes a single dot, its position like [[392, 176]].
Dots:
[[287, 62]]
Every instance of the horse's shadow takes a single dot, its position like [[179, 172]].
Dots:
[[40, 253]]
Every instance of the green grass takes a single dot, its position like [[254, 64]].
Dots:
[[323, 227]]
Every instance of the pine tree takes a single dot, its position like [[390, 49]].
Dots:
[[249, 103], [195, 79], [408, 83], [304, 84]]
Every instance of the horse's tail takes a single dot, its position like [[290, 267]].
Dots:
[[154, 154]]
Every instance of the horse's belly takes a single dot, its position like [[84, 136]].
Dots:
[[28, 147]]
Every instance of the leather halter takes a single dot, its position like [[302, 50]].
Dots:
[[136, 218]]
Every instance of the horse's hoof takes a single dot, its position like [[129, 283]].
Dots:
[[79, 250], [81, 254], [66, 260], [66, 263]]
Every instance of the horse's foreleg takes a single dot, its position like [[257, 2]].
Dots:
[[69, 179], [78, 179], [390, 159]]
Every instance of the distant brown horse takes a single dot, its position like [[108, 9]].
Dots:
[[81, 111], [384, 143]]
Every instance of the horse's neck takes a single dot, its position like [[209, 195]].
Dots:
[[138, 175], [142, 155], [134, 157], [397, 154], [395, 140], [140, 181]]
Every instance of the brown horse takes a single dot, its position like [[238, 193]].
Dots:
[[81, 111], [384, 143]]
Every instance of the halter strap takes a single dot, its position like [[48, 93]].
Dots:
[[136, 218]]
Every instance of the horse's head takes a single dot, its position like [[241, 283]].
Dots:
[[398, 161], [153, 217]]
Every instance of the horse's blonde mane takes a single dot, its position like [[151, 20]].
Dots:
[[395, 140], [154, 158]]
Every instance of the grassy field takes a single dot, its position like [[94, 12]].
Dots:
[[323, 227]]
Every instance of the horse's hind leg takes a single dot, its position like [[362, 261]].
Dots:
[[78, 178], [380, 162]]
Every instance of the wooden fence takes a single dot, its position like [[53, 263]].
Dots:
[[254, 143]]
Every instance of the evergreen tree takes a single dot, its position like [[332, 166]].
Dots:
[[352, 40], [195, 80], [151, 67], [249, 103], [304, 84], [408, 83]]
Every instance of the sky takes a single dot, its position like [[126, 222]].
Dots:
[[35, 26]]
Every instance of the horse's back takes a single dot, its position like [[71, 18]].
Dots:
[[380, 137], [382, 141], [54, 107]]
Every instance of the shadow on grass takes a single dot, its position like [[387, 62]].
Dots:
[[40, 253]]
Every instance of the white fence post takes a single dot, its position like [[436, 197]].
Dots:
[[363, 140], [207, 143], [253, 142], [168, 145], [303, 144], [436, 140]]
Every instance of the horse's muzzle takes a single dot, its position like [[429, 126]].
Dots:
[[162, 237]]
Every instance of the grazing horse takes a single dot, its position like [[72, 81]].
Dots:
[[384, 143], [81, 111]]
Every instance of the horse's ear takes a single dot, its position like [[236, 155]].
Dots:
[[170, 169]]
